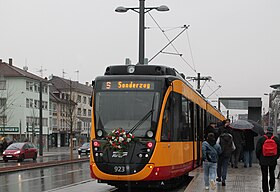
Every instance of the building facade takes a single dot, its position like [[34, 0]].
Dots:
[[274, 108], [20, 104], [70, 111]]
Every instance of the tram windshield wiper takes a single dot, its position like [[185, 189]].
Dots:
[[141, 121]]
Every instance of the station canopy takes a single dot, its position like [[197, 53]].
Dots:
[[235, 104], [241, 103]]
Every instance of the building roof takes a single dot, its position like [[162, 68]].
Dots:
[[9, 70], [65, 85]]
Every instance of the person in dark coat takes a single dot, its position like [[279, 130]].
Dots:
[[249, 147], [267, 162], [239, 142], [211, 128], [225, 127], [5, 144], [225, 140]]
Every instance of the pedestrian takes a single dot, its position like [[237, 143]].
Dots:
[[227, 145], [5, 144], [249, 147], [1, 148], [211, 128], [239, 142], [267, 152], [210, 152], [225, 126]]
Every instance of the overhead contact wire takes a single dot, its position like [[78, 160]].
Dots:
[[170, 42]]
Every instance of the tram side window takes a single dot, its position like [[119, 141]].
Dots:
[[177, 108], [187, 130], [200, 121], [166, 122]]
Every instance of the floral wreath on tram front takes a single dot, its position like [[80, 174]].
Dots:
[[118, 140]]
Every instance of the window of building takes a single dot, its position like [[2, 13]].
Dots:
[[54, 107], [27, 103], [89, 100], [79, 99], [3, 120], [3, 101], [84, 112], [84, 99], [45, 105], [29, 86], [36, 104], [79, 125], [54, 122], [2, 84], [31, 103], [79, 111], [45, 89], [89, 112], [36, 87]]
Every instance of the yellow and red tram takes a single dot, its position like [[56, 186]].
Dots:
[[164, 114]]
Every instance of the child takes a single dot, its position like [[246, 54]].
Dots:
[[210, 153]]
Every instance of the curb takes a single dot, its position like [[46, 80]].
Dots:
[[40, 165]]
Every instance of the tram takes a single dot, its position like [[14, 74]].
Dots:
[[147, 126]]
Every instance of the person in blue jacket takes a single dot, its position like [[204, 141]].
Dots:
[[210, 153]]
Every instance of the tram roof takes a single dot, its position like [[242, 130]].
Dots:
[[141, 70]]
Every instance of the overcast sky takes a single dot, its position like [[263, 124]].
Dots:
[[236, 42]]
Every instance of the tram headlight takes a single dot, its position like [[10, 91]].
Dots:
[[150, 134], [99, 133]]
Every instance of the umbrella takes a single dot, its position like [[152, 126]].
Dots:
[[257, 127], [241, 124]]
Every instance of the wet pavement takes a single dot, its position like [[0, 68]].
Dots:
[[75, 176], [238, 180], [55, 156], [44, 179]]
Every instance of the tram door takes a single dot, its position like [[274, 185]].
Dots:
[[199, 132]]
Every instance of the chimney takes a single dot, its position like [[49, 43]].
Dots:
[[25, 68], [10, 61]]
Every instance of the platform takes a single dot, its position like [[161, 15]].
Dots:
[[238, 180]]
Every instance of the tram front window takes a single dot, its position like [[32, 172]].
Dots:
[[130, 110]]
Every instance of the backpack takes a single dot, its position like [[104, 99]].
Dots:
[[226, 144], [269, 147]]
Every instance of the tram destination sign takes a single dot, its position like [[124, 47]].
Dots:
[[128, 85]]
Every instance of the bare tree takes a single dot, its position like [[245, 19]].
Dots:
[[6, 107], [71, 115]]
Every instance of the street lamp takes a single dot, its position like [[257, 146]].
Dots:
[[141, 10], [41, 120], [269, 109]]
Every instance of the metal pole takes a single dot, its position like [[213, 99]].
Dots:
[[20, 130], [141, 31], [198, 82], [41, 122]]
